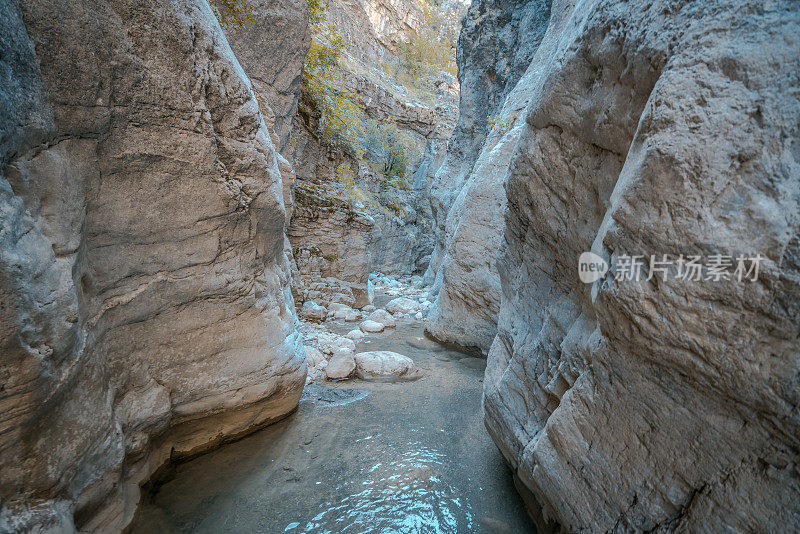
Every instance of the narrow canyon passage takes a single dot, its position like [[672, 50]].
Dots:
[[231, 230], [407, 457]]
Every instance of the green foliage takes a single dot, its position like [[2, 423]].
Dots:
[[232, 14], [429, 51], [388, 147], [343, 124], [431, 48], [339, 109]]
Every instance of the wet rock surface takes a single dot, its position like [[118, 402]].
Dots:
[[331, 396]]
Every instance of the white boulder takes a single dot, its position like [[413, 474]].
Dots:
[[384, 364], [402, 306], [311, 311], [371, 326], [382, 316], [313, 356], [341, 365], [338, 306], [340, 314], [355, 334]]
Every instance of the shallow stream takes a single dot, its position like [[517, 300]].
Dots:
[[357, 457]]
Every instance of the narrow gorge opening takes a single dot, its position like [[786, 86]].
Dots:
[[388, 435], [399, 266]]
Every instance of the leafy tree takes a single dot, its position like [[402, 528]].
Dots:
[[339, 108], [432, 47], [390, 148]]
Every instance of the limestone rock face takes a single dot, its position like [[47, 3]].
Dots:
[[330, 241], [146, 310], [374, 226], [498, 41], [654, 128], [271, 48]]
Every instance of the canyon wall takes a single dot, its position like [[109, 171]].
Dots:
[[271, 47], [144, 289], [495, 48], [666, 403], [341, 233]]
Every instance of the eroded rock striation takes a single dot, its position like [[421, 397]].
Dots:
[[496, 45], [271, 47], [665, 404], [144, 289]]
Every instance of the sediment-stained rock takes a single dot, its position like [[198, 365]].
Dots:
[[655, 128], [385, 364], [146, 312]]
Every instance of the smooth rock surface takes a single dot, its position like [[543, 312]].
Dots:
[[371, 327], [341, 365], [356, 334], [382, 316], [402, 306], [384, 364], [467, 193]]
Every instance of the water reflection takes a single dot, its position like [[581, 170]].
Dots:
[[360, 456], [403, 492]]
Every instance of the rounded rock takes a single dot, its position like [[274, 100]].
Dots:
[[371, 327], [341, 365], [382, 316], [384, 364]]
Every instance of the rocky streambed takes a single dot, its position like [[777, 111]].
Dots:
[[357, 455]]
